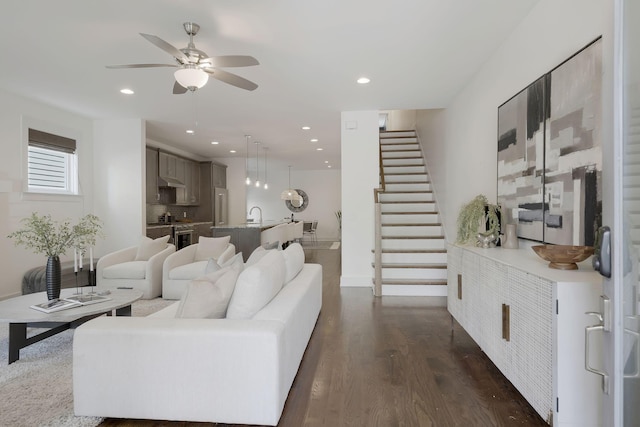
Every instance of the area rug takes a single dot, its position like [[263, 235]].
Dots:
[[37, 390]]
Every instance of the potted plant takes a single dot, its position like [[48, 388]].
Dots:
[[53, 239], [475, 214]]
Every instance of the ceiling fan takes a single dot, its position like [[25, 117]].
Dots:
[[195, 66]]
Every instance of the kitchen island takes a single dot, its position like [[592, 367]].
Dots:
[[246, 237]]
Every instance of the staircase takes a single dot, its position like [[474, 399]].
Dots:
[[413, 258]]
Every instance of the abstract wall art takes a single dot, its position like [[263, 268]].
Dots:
[[549, 153]]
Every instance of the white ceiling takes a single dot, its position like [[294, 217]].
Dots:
[[418, 54]]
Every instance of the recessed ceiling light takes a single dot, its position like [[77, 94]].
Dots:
[[214, 143], [306, 128], [319, 149], [363, 80], [190, 131], [126, 91], [326, 161], [314, 140], [232, 151], [329, 166]]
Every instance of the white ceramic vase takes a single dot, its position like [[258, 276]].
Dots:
[[510, 237]]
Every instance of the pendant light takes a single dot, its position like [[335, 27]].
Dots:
[[290, 193], [266, 185], [257, 166], [246, 163]]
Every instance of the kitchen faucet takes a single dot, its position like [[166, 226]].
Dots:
[[259, 210]]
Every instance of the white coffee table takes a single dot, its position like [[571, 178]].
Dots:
[[17, 312]]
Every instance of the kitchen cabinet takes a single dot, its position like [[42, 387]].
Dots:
[[201, 229], [218, 175], [167, 165], [529, 320], [152, 192], [188, 172]]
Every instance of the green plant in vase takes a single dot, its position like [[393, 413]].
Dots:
[[51, 238], [475, 214]]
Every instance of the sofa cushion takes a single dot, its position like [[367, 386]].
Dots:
[[211, 247], [149, 247], [126, 270], [207, 297], [188, 271], [257, 285], [213, 265], [257, 255], [293, 261]]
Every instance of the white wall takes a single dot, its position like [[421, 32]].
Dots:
[[16, 115], [237, 188], [430, 127], [360, 175], [551, 33], [322, 187], [119, 162], [400, 119]]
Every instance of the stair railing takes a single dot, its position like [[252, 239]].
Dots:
[[377, 250]]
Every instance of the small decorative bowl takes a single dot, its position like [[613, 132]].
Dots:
[[563, 257]]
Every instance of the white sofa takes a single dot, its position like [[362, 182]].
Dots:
[[191, 261], [138, 267], [235, 371]]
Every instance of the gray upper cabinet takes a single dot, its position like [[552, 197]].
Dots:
[[218, 175], [153, 195], [168, 165], [188, 172]]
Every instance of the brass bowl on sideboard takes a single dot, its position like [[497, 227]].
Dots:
[[563, 257]]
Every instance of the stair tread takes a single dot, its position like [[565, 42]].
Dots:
[[407, 192], [414, 282], [411, 237], [403, 166], [412, 251], [404, 173], [413, 224], [411, 213], [412, 265], [406, 202]]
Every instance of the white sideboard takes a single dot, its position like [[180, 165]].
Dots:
[[530, 321]]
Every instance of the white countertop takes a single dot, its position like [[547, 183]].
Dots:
[[525, 259]]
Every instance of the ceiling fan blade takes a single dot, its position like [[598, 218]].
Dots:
[[232, 79], [170, 49], [141, 65], [178, 89], [231, 61]]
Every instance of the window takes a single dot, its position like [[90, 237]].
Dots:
[[52, 163]]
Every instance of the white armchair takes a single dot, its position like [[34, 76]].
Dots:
[[138, 267], [191, 262]]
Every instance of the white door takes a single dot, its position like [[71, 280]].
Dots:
[[621, 349]]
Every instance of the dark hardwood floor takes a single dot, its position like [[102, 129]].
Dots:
[[391, 361]]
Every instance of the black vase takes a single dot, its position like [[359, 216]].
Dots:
[[53, 277]]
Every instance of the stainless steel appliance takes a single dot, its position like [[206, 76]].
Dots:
[[220, 206], [182, 236]]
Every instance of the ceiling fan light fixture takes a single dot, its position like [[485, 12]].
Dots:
[[191, 78]]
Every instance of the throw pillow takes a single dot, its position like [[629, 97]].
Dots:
[[256, 255], [208, 297], [149, 247], [293, 261], [212, 266], [236, 260], [256, 286], [211, 247]]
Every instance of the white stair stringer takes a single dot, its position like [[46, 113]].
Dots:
[[414, 256]]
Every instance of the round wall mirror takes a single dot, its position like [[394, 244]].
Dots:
[[298, 206]]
